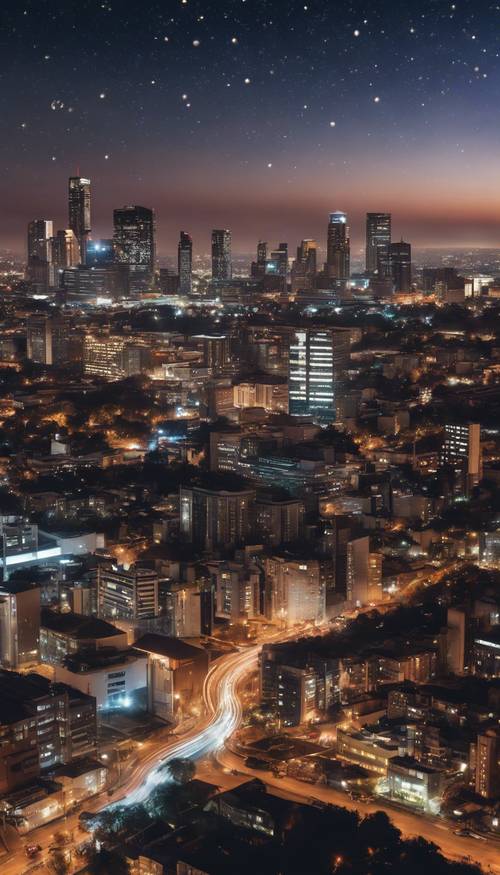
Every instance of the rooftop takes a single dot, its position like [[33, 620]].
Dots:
[[163, 645]]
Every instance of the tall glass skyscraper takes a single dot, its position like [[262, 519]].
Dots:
[[378, 240], [318, 359], [79, 211], [338, 255], [400, 265], [185, 263], [134, 244], [221, 254]]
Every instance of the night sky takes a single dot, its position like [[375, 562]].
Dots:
[[257, 115]]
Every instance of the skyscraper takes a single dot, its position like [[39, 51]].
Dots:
[[400, 266], [39, 234], [317, 362], [65, 249], [221, 255], [258, 268], [378, 239], [338, 254], [134, 244], [185, 263], [304, 266], [79, 211]]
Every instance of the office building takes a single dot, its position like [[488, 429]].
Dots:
[[305, 266], [237, 591], [318, 359], [134, 244], [462, 451], [19, 624], [115, 679], [184, 608], [65, 252], [295, 590], [127, 593], [185, 263], [378, 239], [49, 339], [61, 720], [277, 263], [212, 518], [100, 253], [415, 784], [338, 254], [64, 634], [221, 255], [400, 266], [114, 357], [367, 749], [278, 520], [176, 672], [258, 268], [488, 764], [79, 212], [39, 233], [358, 570]]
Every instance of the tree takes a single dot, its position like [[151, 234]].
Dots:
[[181, 771], [59, 863]]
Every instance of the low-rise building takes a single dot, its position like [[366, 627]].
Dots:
[[176, 672]]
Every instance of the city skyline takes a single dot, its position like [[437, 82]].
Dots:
[[262, 119]]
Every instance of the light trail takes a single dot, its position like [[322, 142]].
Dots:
[[224, 712]]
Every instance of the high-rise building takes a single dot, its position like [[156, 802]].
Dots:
[[19, 624], [488, 764], [258, 268], [295, 590], [400, 266], [277, 263], [462, 451], [358, 570], [114, 357], [134, 244], [338, 255], [378, 239], [65, 250], [185, 263], [318, 359], [211, 518], [237, 591], [79, 212], [127, 594], [39, 233], [49, 338], [304, 266], [221, 255]]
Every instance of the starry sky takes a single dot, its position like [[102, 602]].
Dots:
[[257, 115]]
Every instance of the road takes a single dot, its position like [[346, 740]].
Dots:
[[223, 713]]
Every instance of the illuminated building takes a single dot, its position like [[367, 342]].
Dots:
[[99, 253], [277, 263], [258, 267], [221, 255], [414, 783], [39, 233], [212, 518], [176, 672], [48, 339], [114, 357], [358, 570], [114, 679], [338, 254], [19, 624], [488, 764], [305, 266], [65, 252], [65, 633], [64, 718], [369, 750], [134, 244], [127, 594], [185, 263], [237, 591], [79, 212], [278, 520], [462, 451], [296, 695], [295, 590], [378, 238], [183, 601], [486, 653], [400, 266], [318, 359]]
